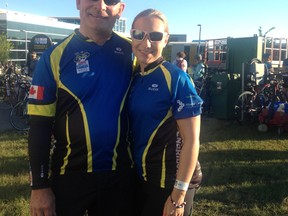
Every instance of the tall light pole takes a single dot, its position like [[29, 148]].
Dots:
[[26, 43], [6, 4], [198, 51]]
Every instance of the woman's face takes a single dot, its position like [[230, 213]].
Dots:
[[150, 48]]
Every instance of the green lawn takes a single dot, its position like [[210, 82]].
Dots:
[[245, 172]]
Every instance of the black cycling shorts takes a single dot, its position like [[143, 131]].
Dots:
[[97, 194]]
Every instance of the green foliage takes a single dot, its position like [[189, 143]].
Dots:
[[167, 53], [265, 34], [5, 47]]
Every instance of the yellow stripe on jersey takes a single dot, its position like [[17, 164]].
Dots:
[[86, 128], [167, 76], [163, 174], [62, 169], [55, 62], [169, 114], [43, 110], [114, 163], [55, 58]]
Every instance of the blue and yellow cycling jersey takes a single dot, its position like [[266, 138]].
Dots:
[[83, 86], [157, 99]]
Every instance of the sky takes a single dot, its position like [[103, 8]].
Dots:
[[218, 18]]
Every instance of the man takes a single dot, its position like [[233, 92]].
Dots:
[[77, 94], [31, 63], [197, 68]]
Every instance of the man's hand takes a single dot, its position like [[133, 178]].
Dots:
[[42, 202]]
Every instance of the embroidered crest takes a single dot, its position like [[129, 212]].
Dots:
[[82, 64]]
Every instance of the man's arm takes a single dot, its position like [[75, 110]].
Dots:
[[39, 145], [42, 201]]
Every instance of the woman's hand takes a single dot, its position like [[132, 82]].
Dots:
[[171, 210], [170, 207]]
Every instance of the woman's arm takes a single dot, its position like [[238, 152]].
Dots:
[[190, 133]]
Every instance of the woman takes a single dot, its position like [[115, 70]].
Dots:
[[165, 119], [180, 61]]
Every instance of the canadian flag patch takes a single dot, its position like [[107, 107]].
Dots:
[[36, 92]]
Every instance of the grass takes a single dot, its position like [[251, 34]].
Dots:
[[14, 178], [245, 172]]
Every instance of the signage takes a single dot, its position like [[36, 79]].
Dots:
[[39, 43]]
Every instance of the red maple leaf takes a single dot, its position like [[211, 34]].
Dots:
[[32, 91]]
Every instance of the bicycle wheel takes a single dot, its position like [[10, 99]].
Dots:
[[19, 118], [198, 87], [244, 109], [282, 96]]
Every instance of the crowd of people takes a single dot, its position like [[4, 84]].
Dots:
[[27, 69]]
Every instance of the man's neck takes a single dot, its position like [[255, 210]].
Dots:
[[98, 38]]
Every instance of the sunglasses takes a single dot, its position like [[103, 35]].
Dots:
[[111, 2], [152, 36]]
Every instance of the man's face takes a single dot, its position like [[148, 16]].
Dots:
[[96, 15], [33, 55]]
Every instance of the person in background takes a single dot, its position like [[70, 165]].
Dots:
[[267, 59], [31, 63], [197, 69], [77, 95], [180, 61], [164, 112]]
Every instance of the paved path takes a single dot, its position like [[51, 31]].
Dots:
[[4, 120]]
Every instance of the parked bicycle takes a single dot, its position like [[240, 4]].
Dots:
[[7, 94], [255, 98], [10, 91], [19, 117]]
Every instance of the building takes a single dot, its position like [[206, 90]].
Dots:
[[22, 28], [177, 38], [120, 25]]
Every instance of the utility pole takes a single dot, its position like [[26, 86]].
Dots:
[[198, 51], [26, 43]]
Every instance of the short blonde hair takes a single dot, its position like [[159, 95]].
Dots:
[[153, 12]]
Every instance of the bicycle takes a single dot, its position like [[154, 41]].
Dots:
[[202, 87], [19, 117], [10, 91], [7, 96], [255, 98]]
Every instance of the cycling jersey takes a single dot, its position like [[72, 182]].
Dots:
[[157, 99], [83, 87]]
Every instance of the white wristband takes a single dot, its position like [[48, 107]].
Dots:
[[181, 185]]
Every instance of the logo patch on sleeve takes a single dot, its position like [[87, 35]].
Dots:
[[36, 92]]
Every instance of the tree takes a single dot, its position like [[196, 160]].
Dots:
[[261, 33], [5, 47]]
